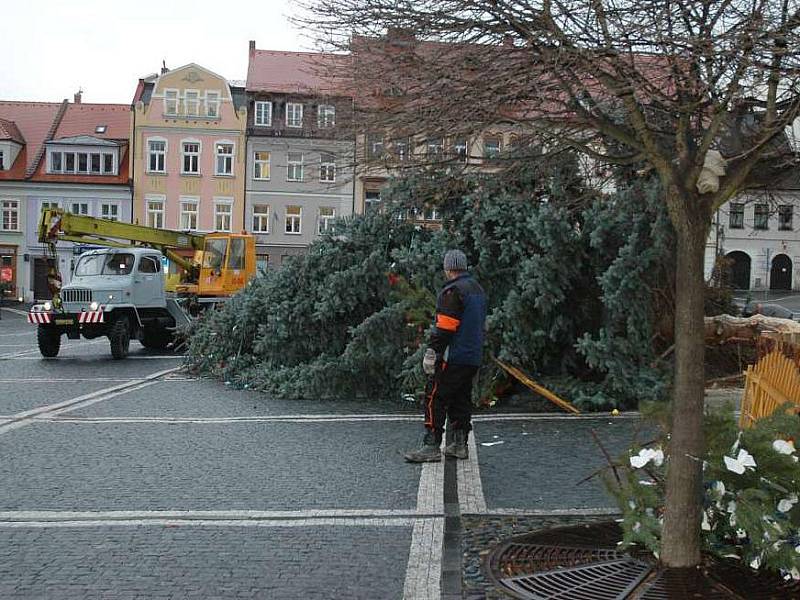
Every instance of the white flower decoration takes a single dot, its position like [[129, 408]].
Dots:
[[741, 534], [719, 489], [786, 504], [755, 563], [706, 526], [741, 462], [783, 446], [645, 456]]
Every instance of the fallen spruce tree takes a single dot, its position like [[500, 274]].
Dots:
[[576, 286]]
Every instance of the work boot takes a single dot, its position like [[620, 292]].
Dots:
[[429, 452], [458, 447]]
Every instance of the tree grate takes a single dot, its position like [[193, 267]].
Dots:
[[583, 563]]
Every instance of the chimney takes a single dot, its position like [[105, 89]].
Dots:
[[77, 97], [252, 47], [164, 68]]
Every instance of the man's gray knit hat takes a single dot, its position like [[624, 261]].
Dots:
[[455, 260]]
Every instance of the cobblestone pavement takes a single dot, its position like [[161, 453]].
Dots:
[[131, 479]]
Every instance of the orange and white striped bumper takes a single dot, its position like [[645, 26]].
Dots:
[[92, 316], [39, 317]]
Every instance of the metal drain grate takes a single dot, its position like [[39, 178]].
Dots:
[[583, 563], [611, 580]]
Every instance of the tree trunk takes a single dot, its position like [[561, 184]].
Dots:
[[681, 535]]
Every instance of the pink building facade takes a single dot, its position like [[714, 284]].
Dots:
[[188, 160]]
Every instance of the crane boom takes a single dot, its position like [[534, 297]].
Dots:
[[55, 224], [220, 264]]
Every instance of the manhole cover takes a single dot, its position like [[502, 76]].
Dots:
[[583, 563]]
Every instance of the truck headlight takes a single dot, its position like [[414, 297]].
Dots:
[[93, 306], [48, 306]]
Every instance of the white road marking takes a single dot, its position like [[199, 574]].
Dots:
[[227, 420], [67, 346], [471, 500], [338, 522], [208, 515], [424, 570], [57, 380], [16, 311], [27, 417], [293, 418], [92, 358]]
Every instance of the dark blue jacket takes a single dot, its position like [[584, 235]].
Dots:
[[459, 322]]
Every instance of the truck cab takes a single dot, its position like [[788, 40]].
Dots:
[[115, 292]]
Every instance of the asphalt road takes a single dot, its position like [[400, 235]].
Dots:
[[130, 479]]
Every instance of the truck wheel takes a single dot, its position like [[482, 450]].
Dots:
[[49, 339], [120, 338], [156, 339]]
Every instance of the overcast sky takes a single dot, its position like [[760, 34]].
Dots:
[[54, 47]]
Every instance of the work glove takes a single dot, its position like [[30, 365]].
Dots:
[[429, 361]]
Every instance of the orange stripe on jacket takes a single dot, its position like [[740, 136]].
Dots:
[[447, 323]]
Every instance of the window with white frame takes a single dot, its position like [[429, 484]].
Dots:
[[223, 209], [294, 215], [260, 218], [261, 165], [212, 104], [294, 162], [109, 211], [156, 156], [327, 168], [224, 163], [372, 200], [188, 213], [56, 163], [79, 208], [171, 102], [491, 146], [375, 146], [10, 215], [155, 212], [294, 114], [460, 147], [191, 103], [191, 157], [326, 116], [264, 114], [327, 215], [50, 204], [400, 148], [434, 146], [82, 163]]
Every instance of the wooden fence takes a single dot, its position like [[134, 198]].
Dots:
[[771, 382]]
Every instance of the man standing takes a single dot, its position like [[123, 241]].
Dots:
[[452, 358]]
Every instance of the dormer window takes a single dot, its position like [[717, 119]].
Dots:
[[101, 129], [212, 104], [82, 162], [294, 114], [191, 103], [170, 102]]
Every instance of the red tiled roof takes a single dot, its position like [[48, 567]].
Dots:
[[82, 119], [34, 121], [296, 72], [9, 131]]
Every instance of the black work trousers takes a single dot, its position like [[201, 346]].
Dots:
[[448, 395]]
